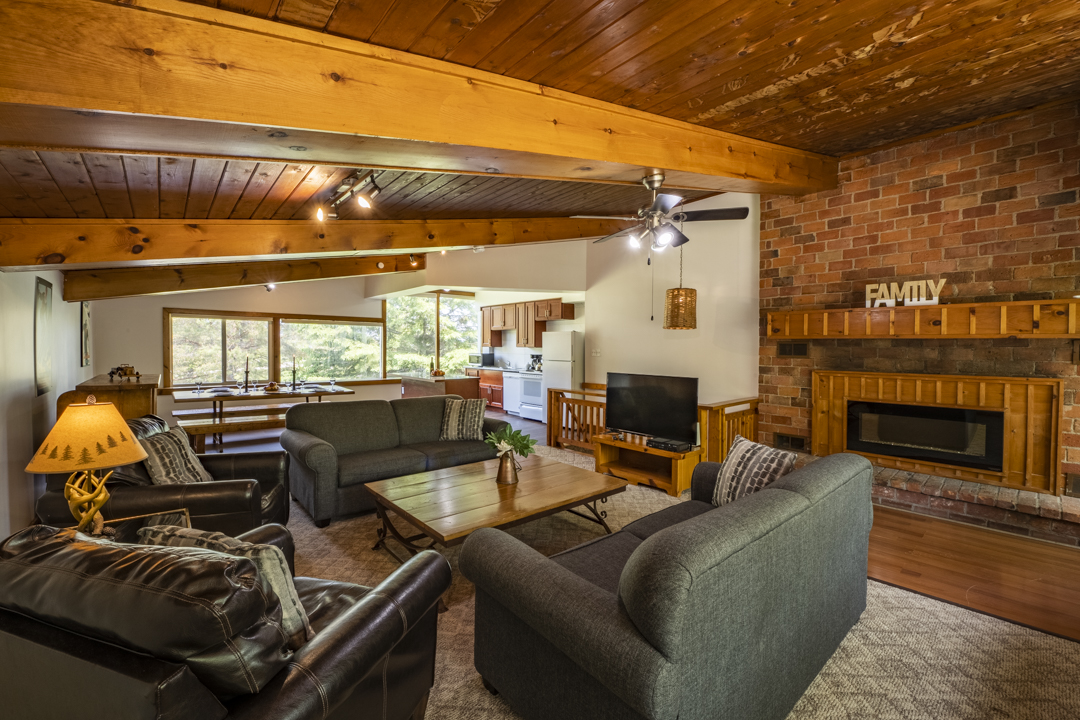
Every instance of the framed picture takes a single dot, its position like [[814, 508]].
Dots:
[[43, 337], [84, 334]]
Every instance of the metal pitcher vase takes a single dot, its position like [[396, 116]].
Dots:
[[507, 470]]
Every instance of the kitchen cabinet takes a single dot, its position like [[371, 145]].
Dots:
[[491, 388], [529, 331], [554, 310], [503, 317], [488, 336]]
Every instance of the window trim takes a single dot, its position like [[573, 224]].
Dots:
[[275, 337]]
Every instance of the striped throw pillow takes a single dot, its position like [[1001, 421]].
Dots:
[[170, 459], [269, 560], [747, 468], [463, 420]]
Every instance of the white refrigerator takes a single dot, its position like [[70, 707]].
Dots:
[[564, 361]]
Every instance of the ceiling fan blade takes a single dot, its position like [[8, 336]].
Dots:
[[617, 234], [665, 203], [718, 214]]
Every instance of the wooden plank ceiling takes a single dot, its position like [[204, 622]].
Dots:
[[99, 185], [830, 76]]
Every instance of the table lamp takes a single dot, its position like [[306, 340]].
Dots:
[[86, 438]]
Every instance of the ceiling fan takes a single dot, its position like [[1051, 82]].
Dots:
[[657, 220]]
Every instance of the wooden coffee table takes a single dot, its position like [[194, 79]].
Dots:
[[447, 505]]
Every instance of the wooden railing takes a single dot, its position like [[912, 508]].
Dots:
[[721, 422], [574, 416]]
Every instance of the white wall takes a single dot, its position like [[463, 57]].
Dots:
[[721, 261], [26, 417], [128, 330]]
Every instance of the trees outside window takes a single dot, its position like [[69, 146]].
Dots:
[[410, 334], [331, 351], [459, 332], [216, 350]]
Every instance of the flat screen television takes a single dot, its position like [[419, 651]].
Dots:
[[655, 405]]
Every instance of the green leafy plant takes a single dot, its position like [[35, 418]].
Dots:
[[507, 439]]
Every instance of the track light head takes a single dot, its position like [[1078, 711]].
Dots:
[[270, 287], [320, 214], [412, 260]]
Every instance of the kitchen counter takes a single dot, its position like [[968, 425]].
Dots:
[[466, 387]]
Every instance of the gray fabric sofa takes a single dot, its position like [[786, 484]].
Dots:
[[336, 448], [693, 612]]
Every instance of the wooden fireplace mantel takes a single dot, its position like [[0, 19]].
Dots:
[[1032, 410], [1030, 319]]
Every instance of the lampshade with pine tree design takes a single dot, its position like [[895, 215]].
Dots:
[[87, 437]]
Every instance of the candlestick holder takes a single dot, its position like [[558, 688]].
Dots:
[[246, 378], [294, 377]]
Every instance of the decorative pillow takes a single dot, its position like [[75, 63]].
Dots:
[[463, 420], [270, 561], [170, 459], [747, 468]]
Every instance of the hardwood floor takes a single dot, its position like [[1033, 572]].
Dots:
[[537, 430], [1027, 581]]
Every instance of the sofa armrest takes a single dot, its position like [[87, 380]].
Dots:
[[583, 621], [310, 451], [276, 535], [324, 671], [493, 425], [703, 481], [230, 506]]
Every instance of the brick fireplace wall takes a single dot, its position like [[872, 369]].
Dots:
[[993, 209]]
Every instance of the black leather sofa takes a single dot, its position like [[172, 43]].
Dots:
[[73, 611], [250, 489]]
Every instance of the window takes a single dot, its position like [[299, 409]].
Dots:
[[214, 347], [422, 329], [216, 350], [459, 332], [410, 334], [331, 350]]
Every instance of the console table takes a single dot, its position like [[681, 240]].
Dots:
[[637, 463]]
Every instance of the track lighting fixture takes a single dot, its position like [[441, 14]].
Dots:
[[412, 260], [270, 287], [320, 214], [359, 185], [366, 199]]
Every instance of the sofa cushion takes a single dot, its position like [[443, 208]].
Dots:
[[748, 467], [600, 561], [657, 521], [351, 427], [209, 611], [364, 467], [420, 419], [454, 452], [270, 560], [463, 420]]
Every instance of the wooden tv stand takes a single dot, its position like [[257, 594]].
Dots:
[[638, 464]]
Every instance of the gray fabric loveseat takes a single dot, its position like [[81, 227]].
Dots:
[[336, 448], [693, 612]]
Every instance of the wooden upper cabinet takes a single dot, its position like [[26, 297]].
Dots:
[[502, 317], [488, 336], [530, 329], [553, 310]]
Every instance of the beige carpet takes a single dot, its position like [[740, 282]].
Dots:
[[909, 658]]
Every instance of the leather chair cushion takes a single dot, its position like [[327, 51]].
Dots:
[[450, 453], [205, 609], [364, 467], [326, 600]]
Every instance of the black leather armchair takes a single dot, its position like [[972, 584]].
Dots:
[[249, 490], [373, 656]]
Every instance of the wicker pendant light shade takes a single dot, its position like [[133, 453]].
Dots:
[[680, 305], [680, 309]]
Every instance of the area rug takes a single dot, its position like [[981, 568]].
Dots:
[[908, 658]]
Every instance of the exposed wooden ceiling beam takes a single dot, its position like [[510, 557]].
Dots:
[[30, 243], [172, 77], [128, 282]]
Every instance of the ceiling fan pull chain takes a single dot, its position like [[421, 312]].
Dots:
[[680, 266]]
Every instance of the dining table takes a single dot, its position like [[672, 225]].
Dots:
[[219, 395]]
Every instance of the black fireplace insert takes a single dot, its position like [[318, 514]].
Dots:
[[957, 436]]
